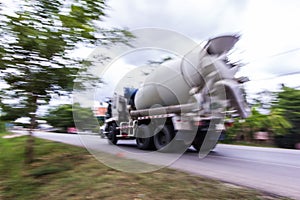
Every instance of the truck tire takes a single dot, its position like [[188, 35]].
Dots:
[[163, 136], [112, 134], [143, 138], [197, 147], [199, 139]]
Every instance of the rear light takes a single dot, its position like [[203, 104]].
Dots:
[[198, 123]]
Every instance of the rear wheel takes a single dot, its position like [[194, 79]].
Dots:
[[197, 147], [163, 136], [199, 139], [210, 143], [143, 138], [112, 134]]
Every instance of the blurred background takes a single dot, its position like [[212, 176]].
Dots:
[[44, 45], [45, 49]]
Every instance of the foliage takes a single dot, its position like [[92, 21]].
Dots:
[[288, 102], [62, 117], [274, 123], [36, 42], [283, 115], [36, 45]]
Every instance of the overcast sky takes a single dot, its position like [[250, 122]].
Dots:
[[269, 44], [269, 29]]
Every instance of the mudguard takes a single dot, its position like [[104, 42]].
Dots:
[[235, 95]]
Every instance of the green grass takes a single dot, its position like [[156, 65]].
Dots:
[[66, 172]]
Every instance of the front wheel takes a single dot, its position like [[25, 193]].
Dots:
[[112, 134]]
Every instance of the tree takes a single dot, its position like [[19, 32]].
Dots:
[[62, 117], [288, 101], [274, 122], [35, 45], [254, 122]]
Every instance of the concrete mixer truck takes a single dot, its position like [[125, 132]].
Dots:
[[183, 101]]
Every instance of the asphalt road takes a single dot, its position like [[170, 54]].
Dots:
[[271, 170]]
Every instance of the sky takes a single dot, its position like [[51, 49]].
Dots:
[[269, 45]]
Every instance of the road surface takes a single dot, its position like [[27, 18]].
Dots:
[[271, 170]]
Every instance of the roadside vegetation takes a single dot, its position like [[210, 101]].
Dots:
[[62, 117], [277, 114], [61, 171]]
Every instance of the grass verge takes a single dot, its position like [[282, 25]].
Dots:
[[62, 171]]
